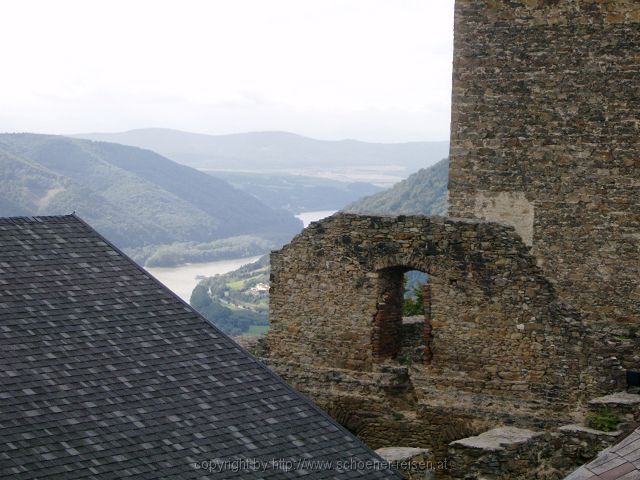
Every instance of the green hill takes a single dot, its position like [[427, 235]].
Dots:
[[136, 198], [423, 193]]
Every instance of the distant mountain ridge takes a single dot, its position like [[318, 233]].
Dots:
[[134, 197], [422, 193], [261, 151]]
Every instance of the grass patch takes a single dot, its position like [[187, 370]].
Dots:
[[604, 419], [236, 285]]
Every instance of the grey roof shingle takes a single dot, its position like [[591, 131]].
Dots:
[[104, 373], [619, 462]]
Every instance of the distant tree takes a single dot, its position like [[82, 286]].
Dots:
[[200, 299], [414, 302]]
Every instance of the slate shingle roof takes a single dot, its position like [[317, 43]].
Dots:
[[620, 462], [104, 373]]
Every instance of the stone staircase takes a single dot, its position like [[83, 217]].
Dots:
[[513, 453]]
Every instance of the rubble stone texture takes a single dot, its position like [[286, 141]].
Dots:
[[503, 346], [497, 325]]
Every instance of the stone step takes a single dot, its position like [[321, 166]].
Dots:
[[500, 438], [413, 463], [617, 400], [497, 453], [624, 405], [582, 443], [580, 430]]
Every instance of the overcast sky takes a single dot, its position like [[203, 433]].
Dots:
[[377, 70]]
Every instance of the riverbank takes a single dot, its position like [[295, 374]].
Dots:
[[183, 279]]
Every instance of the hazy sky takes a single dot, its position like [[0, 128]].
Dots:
[[377, 70]]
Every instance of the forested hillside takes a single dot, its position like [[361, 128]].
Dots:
[[236, 302], [298, 193], [423, 193], [136, 198]]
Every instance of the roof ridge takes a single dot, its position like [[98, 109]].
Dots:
[[36, 218]]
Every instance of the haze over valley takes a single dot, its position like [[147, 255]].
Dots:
[[185, 223], [285, 153], [199, 151]]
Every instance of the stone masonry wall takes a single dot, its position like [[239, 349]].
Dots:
[[503, 348], [546, 137]]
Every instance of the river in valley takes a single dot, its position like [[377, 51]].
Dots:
[[183, 279]]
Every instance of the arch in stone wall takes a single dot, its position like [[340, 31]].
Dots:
[[497, 324], [392, 335]]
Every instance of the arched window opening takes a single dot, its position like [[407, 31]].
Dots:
[[402, 322], [414, 282]]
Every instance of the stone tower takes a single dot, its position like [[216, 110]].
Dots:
[[546, 137]]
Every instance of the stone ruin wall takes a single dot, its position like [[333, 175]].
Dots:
[[503, 347], [526, 322], [546, 137]]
